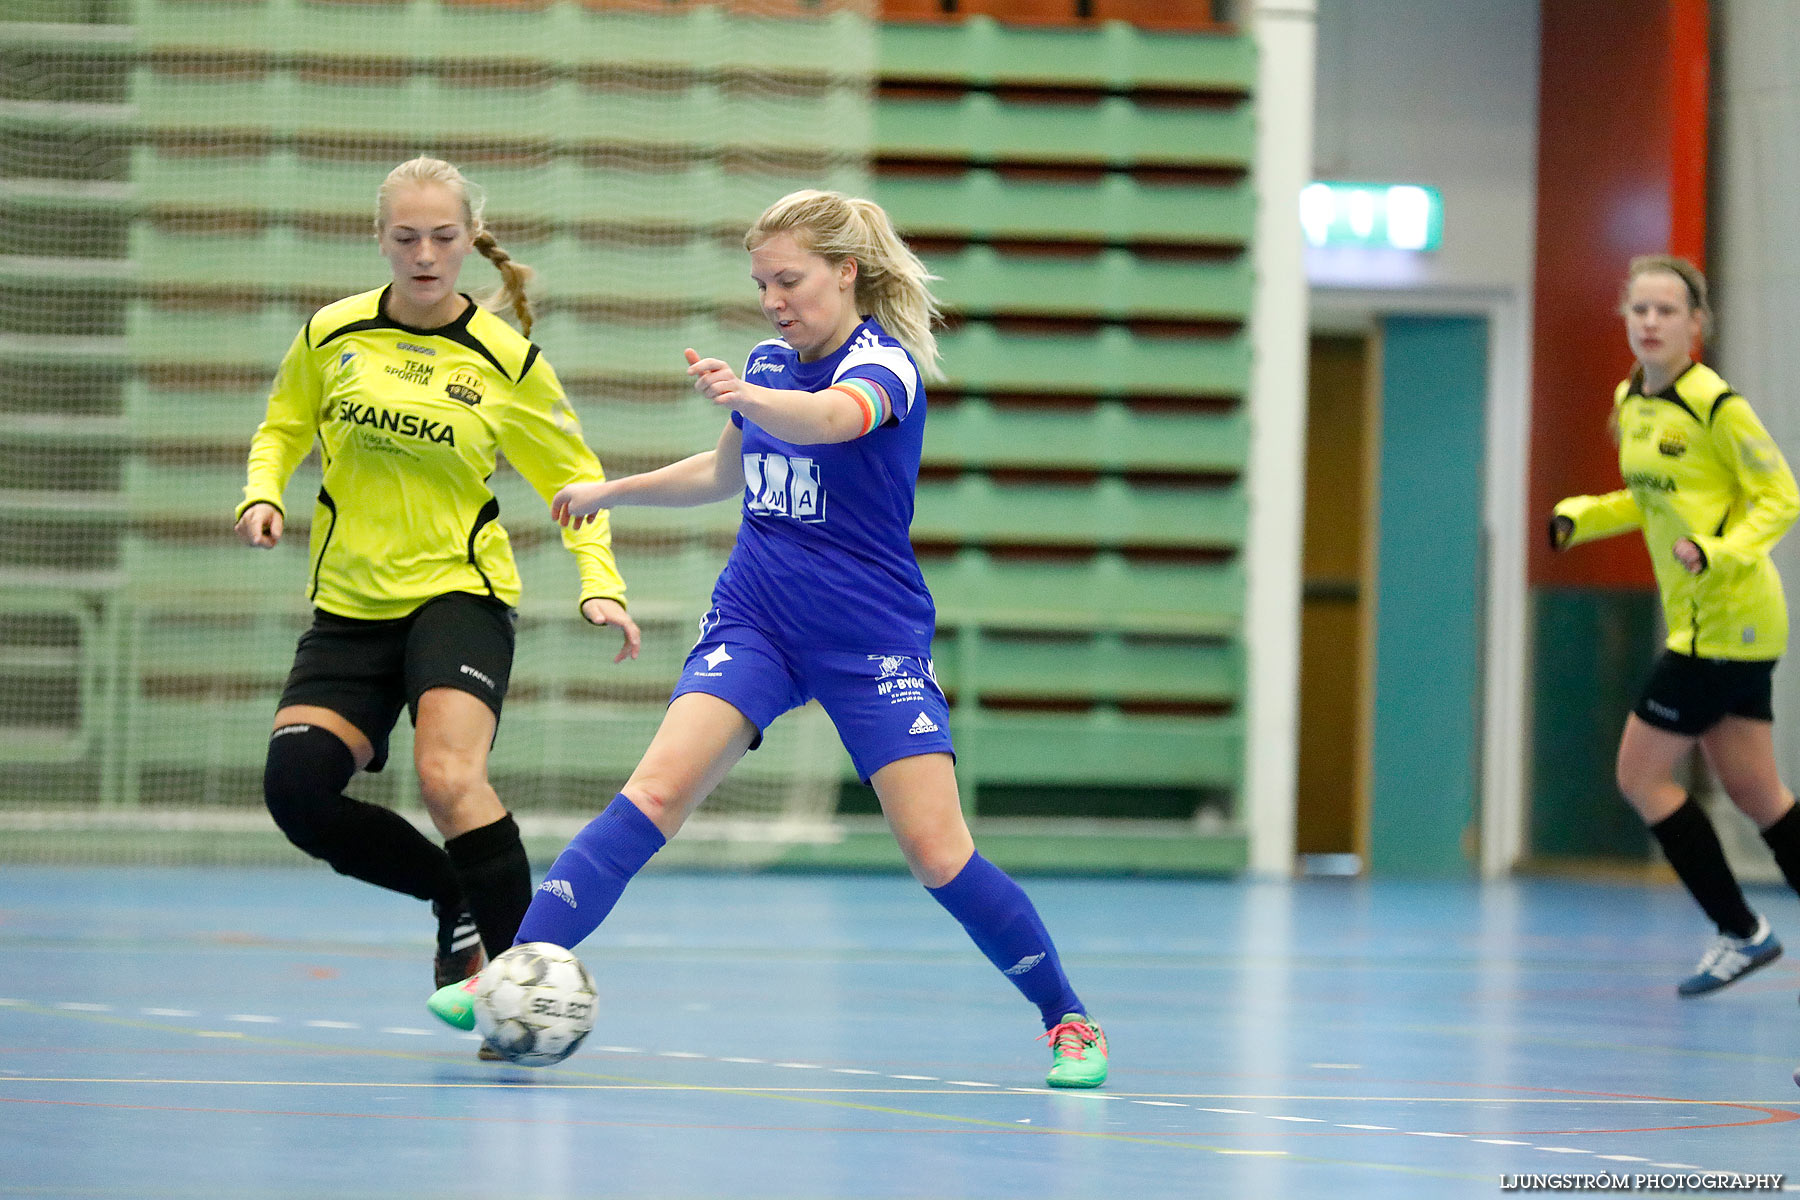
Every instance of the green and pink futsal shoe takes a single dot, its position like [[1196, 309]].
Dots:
[[454, 1004], [1077, 1053]]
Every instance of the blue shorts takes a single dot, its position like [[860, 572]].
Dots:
[[885, 706]]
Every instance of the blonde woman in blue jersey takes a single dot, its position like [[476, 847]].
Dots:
[[1712, 495], [411, 391], [821, 598]]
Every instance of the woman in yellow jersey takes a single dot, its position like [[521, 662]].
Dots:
[[411, 391], [1712, 494]]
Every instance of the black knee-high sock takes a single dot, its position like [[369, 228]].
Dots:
[[303, 787], [495, 875], [1692, 847], [1783, 837]]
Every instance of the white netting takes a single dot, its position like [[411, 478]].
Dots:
[[182, 183]]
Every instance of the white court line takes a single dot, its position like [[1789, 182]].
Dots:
[[261, 1019]]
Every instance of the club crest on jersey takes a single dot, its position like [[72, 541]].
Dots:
[[1672, 444], [465, 385]]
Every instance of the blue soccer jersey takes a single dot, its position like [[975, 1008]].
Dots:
[[823, 557]]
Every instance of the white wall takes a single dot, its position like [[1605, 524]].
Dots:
[[1754, 267], [1445, 94]]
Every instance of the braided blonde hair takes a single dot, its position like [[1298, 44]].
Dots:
[[515, 277], [892, 285]]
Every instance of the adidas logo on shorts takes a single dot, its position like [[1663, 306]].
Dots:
[[561, 890], [923, 725]]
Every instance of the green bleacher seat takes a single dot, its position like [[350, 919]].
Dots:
[[1101, 748], [1110, 362], [684, 38], [1107, 437], [666, 120], [1106, 666], [1113, 283], [277, 257], [1114, 131], [982, 204], [982, 52], [1103, 591], [1110, 512]]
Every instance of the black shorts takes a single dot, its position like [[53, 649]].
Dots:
[[366, 670], [1689, 695]]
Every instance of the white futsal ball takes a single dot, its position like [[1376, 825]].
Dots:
[[534, 1004]]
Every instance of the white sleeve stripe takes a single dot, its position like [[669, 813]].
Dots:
[[891, 358]]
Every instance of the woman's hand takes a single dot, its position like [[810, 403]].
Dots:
[[714, 379], [1690, 556], [260, 526], [577, 504], [611, 612]]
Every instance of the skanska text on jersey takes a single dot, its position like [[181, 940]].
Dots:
[[404, 424]]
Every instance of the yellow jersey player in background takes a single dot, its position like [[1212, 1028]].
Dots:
[[1712, 494], [411, 391]]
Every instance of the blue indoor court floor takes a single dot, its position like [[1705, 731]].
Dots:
[[243, 1034]]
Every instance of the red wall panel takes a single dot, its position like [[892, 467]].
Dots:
[[1621, 171]]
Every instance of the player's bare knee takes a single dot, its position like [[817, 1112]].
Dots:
[[446, 778], [657, 798]]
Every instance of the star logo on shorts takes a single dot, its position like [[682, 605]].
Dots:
[[715, 658]]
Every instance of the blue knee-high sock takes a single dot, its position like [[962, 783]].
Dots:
[[590, 875], [1004, 926]]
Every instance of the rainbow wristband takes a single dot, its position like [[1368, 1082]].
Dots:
[[872, 398]]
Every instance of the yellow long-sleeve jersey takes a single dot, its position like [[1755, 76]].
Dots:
[[409, 423], [1698, 464]]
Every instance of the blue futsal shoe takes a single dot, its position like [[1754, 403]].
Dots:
[[1730, 958]]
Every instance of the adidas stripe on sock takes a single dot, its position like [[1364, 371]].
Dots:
[[1001, 921], [590, 875]]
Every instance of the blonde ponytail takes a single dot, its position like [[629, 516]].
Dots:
[[892, 285], [515, 277]]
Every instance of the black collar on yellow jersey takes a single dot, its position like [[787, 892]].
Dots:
[[1691, 390], [456, 331]]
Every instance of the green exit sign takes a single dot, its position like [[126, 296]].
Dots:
[[1383, 216]]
